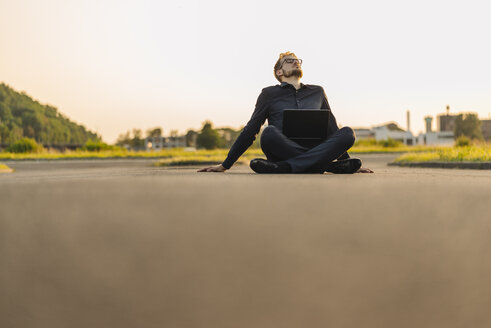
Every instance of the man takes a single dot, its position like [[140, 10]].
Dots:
[[284, 155]]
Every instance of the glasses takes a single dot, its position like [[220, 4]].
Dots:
[[293, 60]]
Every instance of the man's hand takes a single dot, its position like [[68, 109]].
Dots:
[[216, 168], [364, 170]]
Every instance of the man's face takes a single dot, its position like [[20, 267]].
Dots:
[[291, 66]]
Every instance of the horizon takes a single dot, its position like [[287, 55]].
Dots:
[[184, 131], [114, 66]]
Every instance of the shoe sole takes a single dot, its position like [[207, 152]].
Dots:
[[259, 167], [354, 165]]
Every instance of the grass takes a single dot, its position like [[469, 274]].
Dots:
[[173, 156], [180, 156], [477, 153], [4, 168], [367, 149], [365, 146], [164, 154]]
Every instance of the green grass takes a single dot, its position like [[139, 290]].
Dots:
[[477, 153]]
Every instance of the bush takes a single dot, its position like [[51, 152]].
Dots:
[[25, 145], [208, 138], [365, 142], [390, 143], [97, 146], [462, 141]]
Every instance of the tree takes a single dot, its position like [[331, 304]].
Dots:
[[468, 125], [208, 138], [124, 139], [191, 136], [131, 139], [155, 132], [21, 116], [227, 136], [137, 142]]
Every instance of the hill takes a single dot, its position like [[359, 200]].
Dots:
[[21, 116]]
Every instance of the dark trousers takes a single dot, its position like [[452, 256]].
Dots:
[[277, 147]]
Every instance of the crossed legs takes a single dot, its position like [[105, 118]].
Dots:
[[277, 147]]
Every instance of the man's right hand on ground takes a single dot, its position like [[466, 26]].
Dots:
[[216, 168]]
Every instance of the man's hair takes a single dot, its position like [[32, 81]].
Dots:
[[279, 62]]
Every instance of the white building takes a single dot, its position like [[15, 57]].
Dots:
[[392, 131], [364, 133], [158, 143], [437, 138], [440, 138]]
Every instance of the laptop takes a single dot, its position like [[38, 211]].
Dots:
[[306, 127]]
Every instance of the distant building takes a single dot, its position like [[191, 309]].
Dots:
[[384, 132], [393, 131], [486, 129], [158, 143], [364, 133], [446, 127], [441, 138], [445, 122]]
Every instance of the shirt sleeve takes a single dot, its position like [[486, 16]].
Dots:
[[248, 134], [333, 124]]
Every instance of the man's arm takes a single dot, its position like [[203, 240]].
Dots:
[[246, 137], [333, 124]]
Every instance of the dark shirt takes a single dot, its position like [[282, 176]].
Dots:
[[270, 105]]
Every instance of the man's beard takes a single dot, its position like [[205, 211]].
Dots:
[[297, 72]]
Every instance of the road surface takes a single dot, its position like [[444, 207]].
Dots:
[[120, 243]]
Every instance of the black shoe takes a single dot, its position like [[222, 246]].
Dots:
[[260, 165], [344, 166]]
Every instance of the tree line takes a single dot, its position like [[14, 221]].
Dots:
[[23, 117], [208, 137]]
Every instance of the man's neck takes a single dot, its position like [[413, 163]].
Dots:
[[295, 81]]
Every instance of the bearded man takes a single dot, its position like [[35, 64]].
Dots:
[[284, 155]]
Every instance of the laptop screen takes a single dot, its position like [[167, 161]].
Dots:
[[305, 123]]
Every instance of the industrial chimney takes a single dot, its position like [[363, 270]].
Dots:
[[408, 120]]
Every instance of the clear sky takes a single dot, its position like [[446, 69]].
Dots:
[[118, 65]]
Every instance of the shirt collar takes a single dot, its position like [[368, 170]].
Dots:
[[284, 84]]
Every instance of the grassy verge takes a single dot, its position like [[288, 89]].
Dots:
[[362, 149], [178, 154], [455, 154], [107, 154], [5, 169]]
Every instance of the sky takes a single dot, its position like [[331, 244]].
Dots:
[[117, 65]]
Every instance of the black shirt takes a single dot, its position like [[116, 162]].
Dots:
[[270, 105]]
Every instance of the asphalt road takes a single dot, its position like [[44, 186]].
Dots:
[[125, 244]]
